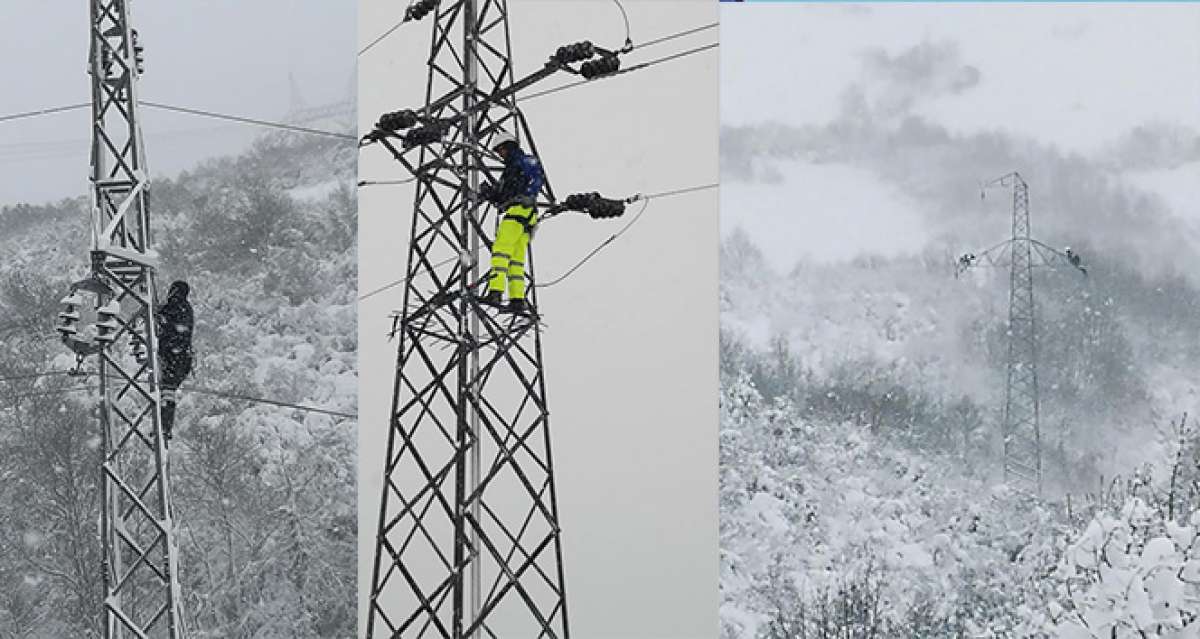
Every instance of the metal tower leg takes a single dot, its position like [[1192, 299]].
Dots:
[[140, 565]]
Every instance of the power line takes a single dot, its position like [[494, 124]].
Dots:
[[539, 94], [236, 118], [52, 110], [612, 238], [387, 182], [48, 393], [202, 391], [29, 376], [625, 17], [636, 67], [644, 197], [673, 36], [382, 37], [674, 192], [189, 111], [402, 280], [273, 402]]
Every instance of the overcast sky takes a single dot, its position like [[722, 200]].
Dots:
[[1077, 75], [1059, 85], [223, 55], [630, 351]]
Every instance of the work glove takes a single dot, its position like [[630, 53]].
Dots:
[[487, 192]]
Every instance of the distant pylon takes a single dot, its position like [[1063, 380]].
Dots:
[[1021, 426]]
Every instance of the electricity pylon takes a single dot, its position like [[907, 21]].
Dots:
[[1021, 427], [468, 543], [140, 560]]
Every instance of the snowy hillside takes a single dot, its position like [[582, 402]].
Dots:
[[860, 492], [862, 386], [264, 495], [830, 530]]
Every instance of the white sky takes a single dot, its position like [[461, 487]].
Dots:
[[630, 351], [222, 55], [1077, 74]]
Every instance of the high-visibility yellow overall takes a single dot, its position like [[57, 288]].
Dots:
[[508, 251]]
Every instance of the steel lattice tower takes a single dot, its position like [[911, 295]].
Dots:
[[1021, 427], [468, 542], [142, 593]]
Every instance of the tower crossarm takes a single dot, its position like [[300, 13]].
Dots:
[[1000, 256], [423, 122]]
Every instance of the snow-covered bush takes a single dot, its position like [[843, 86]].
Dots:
[[1130, 574], [264, 496]]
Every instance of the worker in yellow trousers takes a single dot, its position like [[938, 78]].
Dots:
[[516, 196]]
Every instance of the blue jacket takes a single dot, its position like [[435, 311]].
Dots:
[[520, 182]]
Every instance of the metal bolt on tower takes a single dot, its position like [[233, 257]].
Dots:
[[140, 560], [1021, 254], [468, 541]]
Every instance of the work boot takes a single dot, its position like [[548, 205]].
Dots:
[[518, 307], [492, 298], [168, 421]]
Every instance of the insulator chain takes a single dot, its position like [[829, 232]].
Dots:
[[577, 52], [419, 9], [605, 65], [397, 120], [427, 134], [595, 205], [139, 54]]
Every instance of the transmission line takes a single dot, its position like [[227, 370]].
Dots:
[[272, 402], [612, 238], [189, 111], [569, 85], [401, 280], [682, 191], [387, 182], [202, 391], [236, 118], [673, 36], [29, 376], [636, 67], [643, 197], [624, 17], [48, 393], [50, 111]]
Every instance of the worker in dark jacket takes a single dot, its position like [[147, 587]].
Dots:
[[174, 323], [516, 197]]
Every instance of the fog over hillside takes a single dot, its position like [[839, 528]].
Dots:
[[863, 381]]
